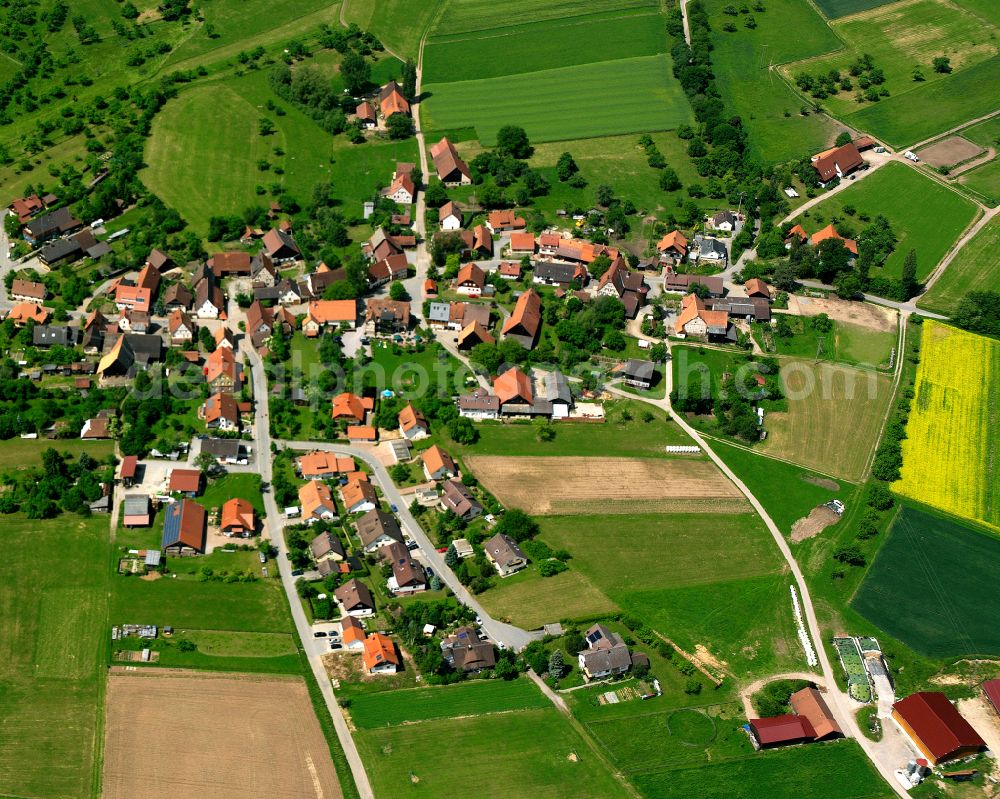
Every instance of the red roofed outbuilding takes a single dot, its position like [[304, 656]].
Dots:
[[936, 728]]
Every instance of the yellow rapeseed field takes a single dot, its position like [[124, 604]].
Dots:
[[950, 458]]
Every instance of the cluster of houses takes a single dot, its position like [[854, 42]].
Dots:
[[713, 318], [829, 232], [516, 395], [375, 111]]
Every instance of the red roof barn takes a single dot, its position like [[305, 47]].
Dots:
[[936, 727]]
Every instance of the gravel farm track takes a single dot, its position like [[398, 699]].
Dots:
[[563, 485], [173, 734]]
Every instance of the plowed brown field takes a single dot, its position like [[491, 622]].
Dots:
[[181, 735], [564, 485]]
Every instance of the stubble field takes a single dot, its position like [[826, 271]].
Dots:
[[547, 485], [181, 734]]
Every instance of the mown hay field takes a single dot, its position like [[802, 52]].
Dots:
[[950, 449], [544, 45], [629, 95], [185, 735], [945, 574], [975, 268], [833, 419], [546, 485]]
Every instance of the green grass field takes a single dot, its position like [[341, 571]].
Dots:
[[925, 216], [985, 133], [787, 492], [530, 753], [975, 268], [844, 343], [617, 161], [203, 167], [531, 600], [944, 574], [986, 9], [796, 772], [463, 16], [25, 453], [841, 8], [985, 182], [399, 24], [53, 636], [391, 708], [932, 28], [550, 44], [615, 438], [771, 109], [629, 95], [903, 120], [700, 546], [185, 601], [246, 24]]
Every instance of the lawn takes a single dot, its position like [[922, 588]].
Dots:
[[615, 437], [949, 450], [770, 108], [238, 484], [399, 24], [530, 600], [629, 95], [975, 268], [844, 342], [944, 574], [205, 166], [898, 37], [530, 753], [391, 708], [53, 647], [925, 216], [795, 772], [544, 45], [181, 600], [903, 120], [25, 453], [476, 15], [787, 492], [747, 624], [260, 653]]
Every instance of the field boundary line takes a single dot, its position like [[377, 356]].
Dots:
[[571, 22], [904, 318], [768, 455]]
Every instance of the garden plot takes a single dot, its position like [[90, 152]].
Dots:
[[553, 485]]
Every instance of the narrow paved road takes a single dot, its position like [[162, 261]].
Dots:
[[314, 648], [506, 635], [841, 705]]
